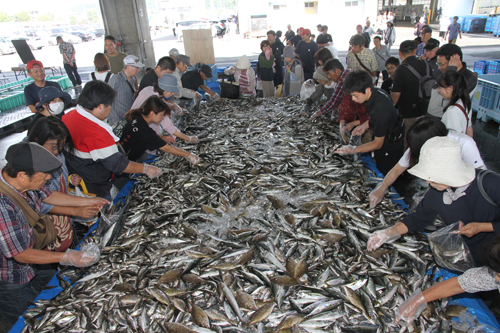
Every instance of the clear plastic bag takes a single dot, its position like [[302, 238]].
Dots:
[[308, 88], [449, 250], [333, 49], [77, 192]]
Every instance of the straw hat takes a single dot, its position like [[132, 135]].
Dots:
[[441, 162], [243, 63]]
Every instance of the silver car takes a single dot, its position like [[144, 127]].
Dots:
[[6, 46]]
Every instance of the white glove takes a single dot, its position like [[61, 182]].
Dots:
[[216, 97], [349, 149], [193, 139], [88, 255], [151, 171], [342, 128], [411, 309], [388, 235], [376, 195], [198, 95], [193, 159]]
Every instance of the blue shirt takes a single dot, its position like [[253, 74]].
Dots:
[[454, 29]]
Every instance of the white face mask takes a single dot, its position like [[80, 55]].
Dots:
[[56, 108], [332, 85]]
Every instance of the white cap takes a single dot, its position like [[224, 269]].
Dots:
[[173, 52], [132, 60]]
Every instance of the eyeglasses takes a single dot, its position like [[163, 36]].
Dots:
[[442, 65], [390, 68]]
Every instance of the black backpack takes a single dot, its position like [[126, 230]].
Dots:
[[425, 83]]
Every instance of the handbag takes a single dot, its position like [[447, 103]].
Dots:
[[230, 89], [42, 225]]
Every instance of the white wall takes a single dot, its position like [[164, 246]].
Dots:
[[457, 7]]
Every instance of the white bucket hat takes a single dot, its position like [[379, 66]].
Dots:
[[243, 63], [441, 162]]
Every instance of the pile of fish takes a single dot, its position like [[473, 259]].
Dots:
[[267, 234]]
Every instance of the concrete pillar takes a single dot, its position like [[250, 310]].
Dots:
[[127, 21]]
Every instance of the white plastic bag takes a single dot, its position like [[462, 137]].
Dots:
[[308, 88], [77, 192], [333, 49]]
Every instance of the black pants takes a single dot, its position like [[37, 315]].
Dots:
[[387, 158], [73, 75]]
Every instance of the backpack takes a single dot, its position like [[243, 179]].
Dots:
[[425, 83]]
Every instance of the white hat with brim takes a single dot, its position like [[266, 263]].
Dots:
[[243, 63], [132, 60], [441, 162]]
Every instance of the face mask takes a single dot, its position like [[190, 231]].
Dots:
[[331, 85], [56, 108]]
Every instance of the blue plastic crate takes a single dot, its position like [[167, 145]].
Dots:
[[489, 94], [493, 67], [480, 67], [489, 24], [495, 25]]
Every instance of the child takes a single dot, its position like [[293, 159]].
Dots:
[[390, 65]]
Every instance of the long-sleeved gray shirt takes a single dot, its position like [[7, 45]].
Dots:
[[125, 96]]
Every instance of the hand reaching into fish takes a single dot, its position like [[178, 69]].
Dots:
[[342, 128], [360, 130], [88, 255], [349, 149], [193, 139], [377, 194], [193, 159], [316, 114], [151, 171], [381, 237], [411, 308], [473, 228]]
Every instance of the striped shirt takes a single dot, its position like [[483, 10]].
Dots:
[[16, 235], [125, 96]]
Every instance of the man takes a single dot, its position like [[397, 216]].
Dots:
[[366, 36], [195, 79], [425, 34], [166, 65], [183, 62], [453, 31], [68, 52], [115, 58], [37, 73], [296, 39], [368, 29], [449, 58], [318, 27], [387, 144], [360, 57], [124, 85], [430, 49], [324, 38], [406, 85], [23, 265], [277, 47], [305, 50], [173, 53], [95, 156], [289, 34]]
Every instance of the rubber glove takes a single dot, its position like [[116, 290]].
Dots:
[[198, 95], [388, 235], [349, 149], [151, 171], [193, 139], [411, 309], [376, 195], [216, 97], [193, 159], [88, 255]]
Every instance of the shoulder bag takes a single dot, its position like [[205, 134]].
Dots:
[[362, 65]]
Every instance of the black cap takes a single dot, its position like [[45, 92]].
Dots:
[[427, 30], [431, 44], [50, 93], [30, 156], [206, 70]]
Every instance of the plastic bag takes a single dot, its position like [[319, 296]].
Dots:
[[308, 88], [449, 250], [77, 192], [333, 49]]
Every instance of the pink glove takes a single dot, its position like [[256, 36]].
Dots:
[[388, 235], [151, 171], [376, 195], [349, 149], [411, 308]]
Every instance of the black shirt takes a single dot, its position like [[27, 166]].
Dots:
[[192, 80], [306, 52], [289, 35], [137, 136], [383, 116], [277, 53], [295, 40], [31, 92], [408, 85], [148, 80], [324, 39], [387, 85]]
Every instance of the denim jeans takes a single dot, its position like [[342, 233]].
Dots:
[[14, 298]]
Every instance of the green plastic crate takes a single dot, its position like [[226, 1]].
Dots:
[[12, 101]]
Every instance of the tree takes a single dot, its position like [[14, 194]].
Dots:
[[4, 17], [92, 16], [73, 20], [22, 17], [46, 17]]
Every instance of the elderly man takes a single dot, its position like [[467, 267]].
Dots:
[[289, 34], [425, 34], [360, 57], [166, 65], [114, 56], [430, 49], [124, 85], [23, 233], [173, 53], [37, 73], [68, 52], [182, 64]]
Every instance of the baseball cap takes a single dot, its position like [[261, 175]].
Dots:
[[185, 59], [431, 44], [305, 32], [32, 63], [173, 52], [168, 82], [50, 93], [132, 60], [206, 70], [30, 156]]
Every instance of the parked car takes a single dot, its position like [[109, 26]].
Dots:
[[66, 37], [198, 25], [99, 32], [33, 42], [6, 46], [84, 35], [221, 27]]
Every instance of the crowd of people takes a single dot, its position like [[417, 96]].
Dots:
[[418, 120]]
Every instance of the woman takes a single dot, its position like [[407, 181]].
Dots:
[[389, 35], [52, 103], [322, 56], [165, 88], [457, 114], [326, 87], [294, 74], [381, 55], [102, 68], [137, 136], [265, 69], [423, 129], [244, 75]]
